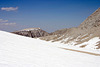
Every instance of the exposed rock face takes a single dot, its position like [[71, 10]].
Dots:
[[92, 21], [32, 32], [87, 30]]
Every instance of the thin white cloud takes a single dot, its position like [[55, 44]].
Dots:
[[3, 21], [6, 23], [9, 24], [9, 8]]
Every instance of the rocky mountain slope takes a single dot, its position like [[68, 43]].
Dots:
[[32, 32], [88, 30], [79, 36]]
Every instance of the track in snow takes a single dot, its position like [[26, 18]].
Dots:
[[95, 54]]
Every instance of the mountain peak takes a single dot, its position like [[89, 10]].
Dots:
[[32, 32], [92, 21]]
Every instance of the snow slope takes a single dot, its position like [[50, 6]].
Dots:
[[20, 51]]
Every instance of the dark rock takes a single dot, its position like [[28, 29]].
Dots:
[[32, 32]]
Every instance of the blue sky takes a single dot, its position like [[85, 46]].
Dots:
[[49, 15]]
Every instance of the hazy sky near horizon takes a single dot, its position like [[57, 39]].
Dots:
[[49, 15]]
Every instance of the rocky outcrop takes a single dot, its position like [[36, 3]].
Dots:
[[32, 32]]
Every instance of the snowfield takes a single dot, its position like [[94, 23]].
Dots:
[[20, 51]]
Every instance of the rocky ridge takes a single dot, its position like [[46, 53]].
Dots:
[[32, 32]]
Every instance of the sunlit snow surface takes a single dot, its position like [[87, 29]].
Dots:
[[20, 51]]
